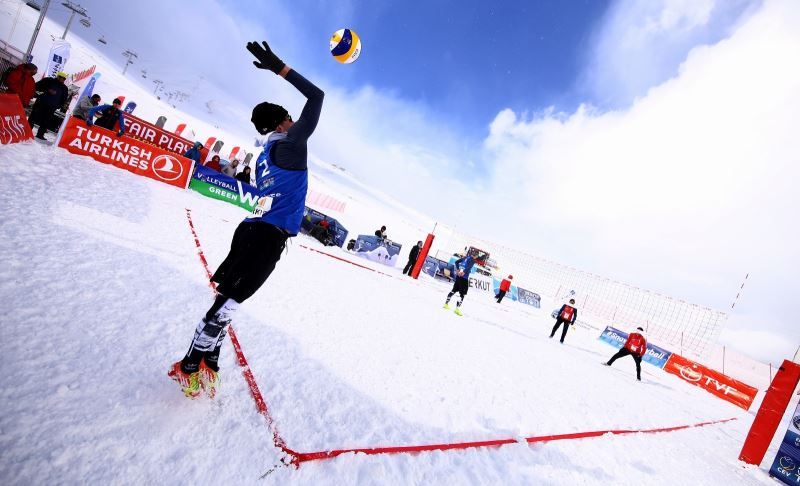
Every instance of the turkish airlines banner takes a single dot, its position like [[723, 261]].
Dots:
[[147, 132], [13, 124], [126, 153], [714, 382]]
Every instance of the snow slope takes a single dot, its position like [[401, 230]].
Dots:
[[103, 289]]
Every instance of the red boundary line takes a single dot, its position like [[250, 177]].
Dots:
[[261, 405], [345, 260], [296, 458]]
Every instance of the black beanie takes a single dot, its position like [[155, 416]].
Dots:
[[266, 117]]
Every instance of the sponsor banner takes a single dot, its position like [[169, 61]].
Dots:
[[319, 199], [439, 269], [714, 382], [654, 355], [130, 107], [215, 185], [786, 465], [13, 124], [126, 153], [59, 55], [309, 226], [376, 249], [147, 132], [180, 129], [528, 297], [481, 283]]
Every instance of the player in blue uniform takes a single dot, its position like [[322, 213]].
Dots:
[[461, 285], [282, 182]]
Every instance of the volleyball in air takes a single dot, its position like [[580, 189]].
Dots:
[[345, 46]]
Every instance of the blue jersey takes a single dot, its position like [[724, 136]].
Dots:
[[465, 265], [282, 194]]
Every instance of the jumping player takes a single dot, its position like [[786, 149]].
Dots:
[[461, 285], [282, 182]]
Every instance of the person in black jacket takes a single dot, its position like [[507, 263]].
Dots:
[[244, 175], [567, 316], [412, 258], [53, 96], [381, 233], [111, 115]]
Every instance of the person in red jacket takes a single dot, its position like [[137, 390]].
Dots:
[[504, 286], [636, 346], [214, 163], [20, 82], [567, 315]]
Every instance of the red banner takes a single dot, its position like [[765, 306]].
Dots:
[[714, 382], [13, 124], [147, 132], [126, 153]]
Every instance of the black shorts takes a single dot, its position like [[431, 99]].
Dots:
[[461, 285], [255, 249]]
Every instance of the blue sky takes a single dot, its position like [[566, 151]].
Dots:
[[651, 141]]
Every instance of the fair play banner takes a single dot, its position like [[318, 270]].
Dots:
[[126, 153], [148, 132], [714, 382], [13, 125]]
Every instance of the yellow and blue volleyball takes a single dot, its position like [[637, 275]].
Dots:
[[345, 46]]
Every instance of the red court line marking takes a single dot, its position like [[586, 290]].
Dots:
[[298, 458], [261, 404], [313, 456], [345, 260]]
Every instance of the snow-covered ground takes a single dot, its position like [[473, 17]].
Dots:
[[103, 287]]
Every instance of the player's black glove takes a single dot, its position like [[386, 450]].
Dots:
[[266, 58]]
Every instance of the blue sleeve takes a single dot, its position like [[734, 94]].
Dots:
[[121, 122], [575, 315], [94, 110]]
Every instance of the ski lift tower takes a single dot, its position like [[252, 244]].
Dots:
[[76, 9]]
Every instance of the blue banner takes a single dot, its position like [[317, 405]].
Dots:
[[335, 232], [215, 184], [377, 249], [786, 465], [130, 107], [438, 268], [528, 297], [655, 355]]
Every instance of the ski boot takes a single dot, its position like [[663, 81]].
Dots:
[[189, 382]]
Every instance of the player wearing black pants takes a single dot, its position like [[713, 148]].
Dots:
[[566, 316], [412, 259], [463, 267], [625, 352], [282, 183]]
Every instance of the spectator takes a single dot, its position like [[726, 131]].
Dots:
[[322, 232], [20, 82], [351, 245], [636, 346], [53, 96], [412, 258], [504, 286], [194, 152], [81, 111], [230, 169], [567, 316], [381, 233], [463, 268], [244, 175], [111, 115], [214, 163]]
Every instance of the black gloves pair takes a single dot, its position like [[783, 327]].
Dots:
[[266, 58]]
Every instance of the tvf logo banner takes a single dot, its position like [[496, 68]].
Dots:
[[714, 382], [655, 355], [786, 465], [13, 125], [147, 132], [126, 153]]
